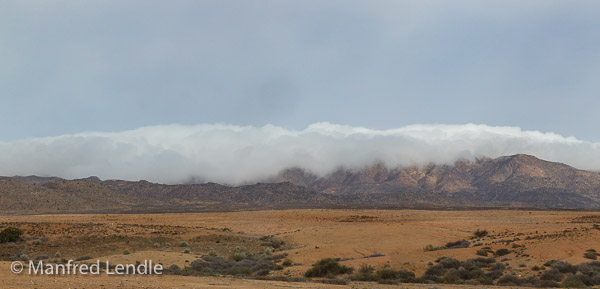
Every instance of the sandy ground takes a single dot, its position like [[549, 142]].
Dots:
[[398, 235]]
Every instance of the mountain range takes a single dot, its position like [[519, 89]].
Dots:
[[517, 181]]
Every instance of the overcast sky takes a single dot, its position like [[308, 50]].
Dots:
[[74, 67]]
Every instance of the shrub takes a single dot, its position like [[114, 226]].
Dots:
[[437, 270], [287, 262], [41, 257], [590, 255], [239, 271], [365, 273], [126, 252], [549, 263], [36, 242], [249, 265], [547, 284], [271, 241], [276, 257], [478, 262], [386, 273], [452, 277], [10, 234], [450, 263], [552, 275], [186, 251], [458, 244], [336, 281], [494, 274], [572, 282], [498, 267], [502, 252], [485, 280], [402, 275], [57, 254], [83, 258], [237, 257], [156, 245], [327, 267], [429, 248], [174, 268], [483, 253], [366, 269], [183, 244], [480, 233], [509, 280], [564, 267], [535, 268]]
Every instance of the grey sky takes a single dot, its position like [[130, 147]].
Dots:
[[73, 66]]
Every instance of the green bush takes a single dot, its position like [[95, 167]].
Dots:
[[237, 257], [10, 234], [482, 252], [365, 273], [287, 262], [390, 274], [502, 252], [327, 267]]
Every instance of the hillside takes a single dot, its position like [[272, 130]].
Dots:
[[518, 180], [511, 181]]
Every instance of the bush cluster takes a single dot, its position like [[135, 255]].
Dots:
[[487, 271], [238, 264], [449, 245], [328, 267], [10, 234], [480, 233]]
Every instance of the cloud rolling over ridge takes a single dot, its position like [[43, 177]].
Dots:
[[232, 154]]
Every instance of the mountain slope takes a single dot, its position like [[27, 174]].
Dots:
[[518, 180], [511, 181]]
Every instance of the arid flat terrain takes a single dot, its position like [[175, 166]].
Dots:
[[381, 238]]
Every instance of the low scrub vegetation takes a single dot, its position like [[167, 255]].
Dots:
[[480, 233], [476, 271], [10, 234], [328, 267], [591, 254], [237, 265], [449, 245]]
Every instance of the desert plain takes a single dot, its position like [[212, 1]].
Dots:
[[397, 239]]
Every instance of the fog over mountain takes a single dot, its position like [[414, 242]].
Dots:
[[234, 155]]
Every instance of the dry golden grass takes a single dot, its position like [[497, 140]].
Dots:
[[400, 235]]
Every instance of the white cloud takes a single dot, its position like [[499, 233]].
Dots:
[[239, 154]]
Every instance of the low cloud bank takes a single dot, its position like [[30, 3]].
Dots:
[[232, 154]]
